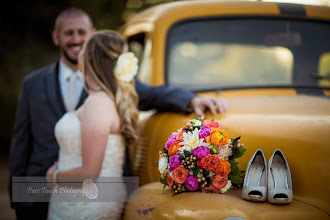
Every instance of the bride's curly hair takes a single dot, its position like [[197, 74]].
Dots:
[[101, 53]]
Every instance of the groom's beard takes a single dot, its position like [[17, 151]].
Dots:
[[71, 60]]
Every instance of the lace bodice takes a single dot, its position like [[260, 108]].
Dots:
[[68, 136]]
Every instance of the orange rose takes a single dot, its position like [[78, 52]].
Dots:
[[210, 162], [180, 174], [173, 148], [217, 137], [219, 181], [223, 168]]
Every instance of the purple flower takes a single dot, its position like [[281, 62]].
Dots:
[[201, 152], [170, 140], [204, 132], [174, 162], [191, 183]]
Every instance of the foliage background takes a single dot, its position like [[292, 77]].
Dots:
[[26, 43]]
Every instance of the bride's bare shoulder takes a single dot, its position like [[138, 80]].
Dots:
[[100, 113], [99, 97], [99, 101]]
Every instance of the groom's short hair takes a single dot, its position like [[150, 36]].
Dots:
[[70, 13]]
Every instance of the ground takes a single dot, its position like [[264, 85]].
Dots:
[[6, 213]]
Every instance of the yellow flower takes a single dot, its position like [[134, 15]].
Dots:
[[217, 137]]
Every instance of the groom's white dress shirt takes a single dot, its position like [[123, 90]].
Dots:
[[71, 85]]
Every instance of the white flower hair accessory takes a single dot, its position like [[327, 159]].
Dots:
[[126, 67]]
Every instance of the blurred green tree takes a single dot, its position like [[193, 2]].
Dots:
[[26, 43]]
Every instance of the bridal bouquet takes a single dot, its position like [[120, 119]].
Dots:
[[200, 157]]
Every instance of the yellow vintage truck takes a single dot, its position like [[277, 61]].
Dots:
[[271, 62]]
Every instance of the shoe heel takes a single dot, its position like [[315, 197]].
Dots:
[[255, 180]]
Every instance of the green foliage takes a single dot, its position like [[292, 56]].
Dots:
[[233, 164], [213, 150], [187, 153], [200, 186], [196, 117], [163, 180], [208, 180], [206, 173], [165, 151], [235, 174], [235, 179], [195, 171], [238, 152], [188, 129], [235, 141], [234, 168], [198, 127]]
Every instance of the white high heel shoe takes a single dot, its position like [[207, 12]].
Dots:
[[255, 180], [279, 179]]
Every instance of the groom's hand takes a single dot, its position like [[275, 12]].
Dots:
[[201, 104]]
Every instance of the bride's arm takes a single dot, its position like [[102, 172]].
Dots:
[[99, 119]]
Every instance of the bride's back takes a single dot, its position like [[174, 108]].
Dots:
[[68, 134]]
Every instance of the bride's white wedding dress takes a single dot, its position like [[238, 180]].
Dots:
[[68, 135]]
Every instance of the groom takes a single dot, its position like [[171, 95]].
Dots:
[[50, 92]]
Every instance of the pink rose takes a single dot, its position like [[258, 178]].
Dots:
[[170, 140], [201, 152], [174, 162], [212, 124], [169, 180], [204, 132], [219, 181], [210, 189], [179, 137], [180, 174], [191, 183]]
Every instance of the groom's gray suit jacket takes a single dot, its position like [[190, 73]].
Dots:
[[34, 147]]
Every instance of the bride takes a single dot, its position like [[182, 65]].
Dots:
[[92, 140]]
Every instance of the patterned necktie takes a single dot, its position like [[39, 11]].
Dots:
[[71, 96]]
